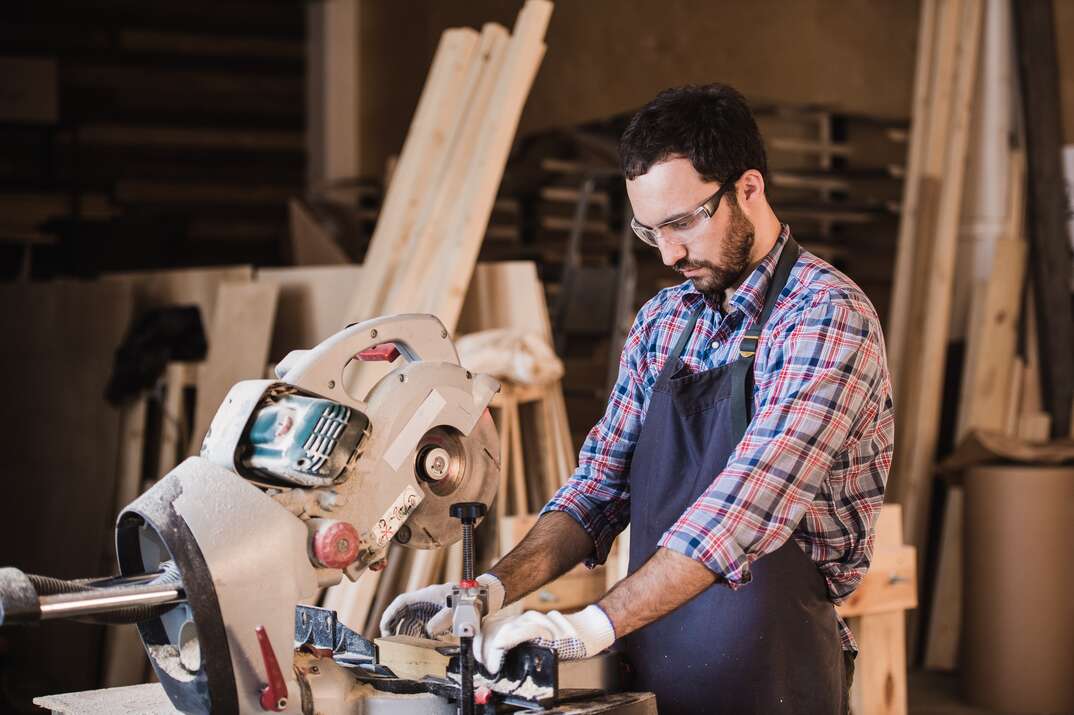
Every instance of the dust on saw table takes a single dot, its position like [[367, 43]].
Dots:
[[150, 699]]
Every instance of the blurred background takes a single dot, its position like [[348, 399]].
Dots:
[[153, 154]]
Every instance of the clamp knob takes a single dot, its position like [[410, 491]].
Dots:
[[468, 511]]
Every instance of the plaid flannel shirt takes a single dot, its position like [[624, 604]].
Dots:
[[814, 460]]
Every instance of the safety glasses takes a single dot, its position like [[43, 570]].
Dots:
[[685, 228]]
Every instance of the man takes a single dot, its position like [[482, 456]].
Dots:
[[747, 442]]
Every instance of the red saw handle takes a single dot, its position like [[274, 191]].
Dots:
[[386, 352], [273, 695]]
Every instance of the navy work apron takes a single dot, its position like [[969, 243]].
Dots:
[[770, 647]]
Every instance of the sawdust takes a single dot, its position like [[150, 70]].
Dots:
[[167, 659]]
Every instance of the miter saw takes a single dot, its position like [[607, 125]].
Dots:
[[299, 484]]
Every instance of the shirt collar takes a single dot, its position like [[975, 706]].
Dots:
[[750, 294]]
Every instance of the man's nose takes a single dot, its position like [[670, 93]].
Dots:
[[671, 253]]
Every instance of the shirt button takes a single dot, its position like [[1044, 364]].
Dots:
[[714, 345]]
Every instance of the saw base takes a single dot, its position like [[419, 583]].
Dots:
[[150, 699]]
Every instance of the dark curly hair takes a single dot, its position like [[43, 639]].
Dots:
[[711, 125]]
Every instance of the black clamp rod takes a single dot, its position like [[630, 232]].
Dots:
[[468, 513]]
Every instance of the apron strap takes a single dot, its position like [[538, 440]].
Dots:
[[742, 368], [684, 336]]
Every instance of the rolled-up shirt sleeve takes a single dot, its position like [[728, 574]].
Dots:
[[825, 378], [597, 495]]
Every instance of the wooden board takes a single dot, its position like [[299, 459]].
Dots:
[[187, 286], [918, 429], [412, 658], [1046, 205], [984, 404], [889, 585], [428, 234], [238, 348], [463, 232], [311, 244], [505, 294], [880, 671], [312, 304], [424, 144], [907, 245]]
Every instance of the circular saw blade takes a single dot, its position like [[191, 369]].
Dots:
[[478, 461]]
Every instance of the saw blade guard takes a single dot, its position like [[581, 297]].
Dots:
[[431, 440]]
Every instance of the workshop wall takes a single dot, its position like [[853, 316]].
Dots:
[[608, 56], [164, 134]]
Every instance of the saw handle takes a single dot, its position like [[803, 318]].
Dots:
[[416, 336], [273, 695]]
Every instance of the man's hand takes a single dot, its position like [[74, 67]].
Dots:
[[572, 636], [425, 613]]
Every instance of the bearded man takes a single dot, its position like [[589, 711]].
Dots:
[[747, 442]]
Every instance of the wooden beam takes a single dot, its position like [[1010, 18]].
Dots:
[[463, 233], [1050, 253], [238, 348], [918, 435], [423, 147], [880, 672]]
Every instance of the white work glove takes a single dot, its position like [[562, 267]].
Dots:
[[425, 613], [572, 636]]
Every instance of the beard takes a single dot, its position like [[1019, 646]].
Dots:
[[736, 249]]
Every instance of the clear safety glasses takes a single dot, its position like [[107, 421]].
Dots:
[[682, 229]]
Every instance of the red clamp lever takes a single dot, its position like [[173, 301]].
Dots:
[[386, 352], [273, 695]]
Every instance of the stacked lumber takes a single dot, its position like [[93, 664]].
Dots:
[[922, 295], [444, 186], [997, 297]]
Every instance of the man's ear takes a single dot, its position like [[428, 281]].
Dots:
[[751, 185]]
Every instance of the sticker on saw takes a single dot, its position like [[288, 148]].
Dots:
[[416, 427], [403, 506]]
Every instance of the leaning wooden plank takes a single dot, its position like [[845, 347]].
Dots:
[[1050, 257], [993, 335], [174, 441], [425, 566], [916, 445], [505, 294], [464, 231], [908, 315], [409, 185], [186, 286], [906, 243], [986, 386], [311, 306], [945, 614], [518, 471], [908, 307], [238, 348], [429, 231], [311, 244]]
